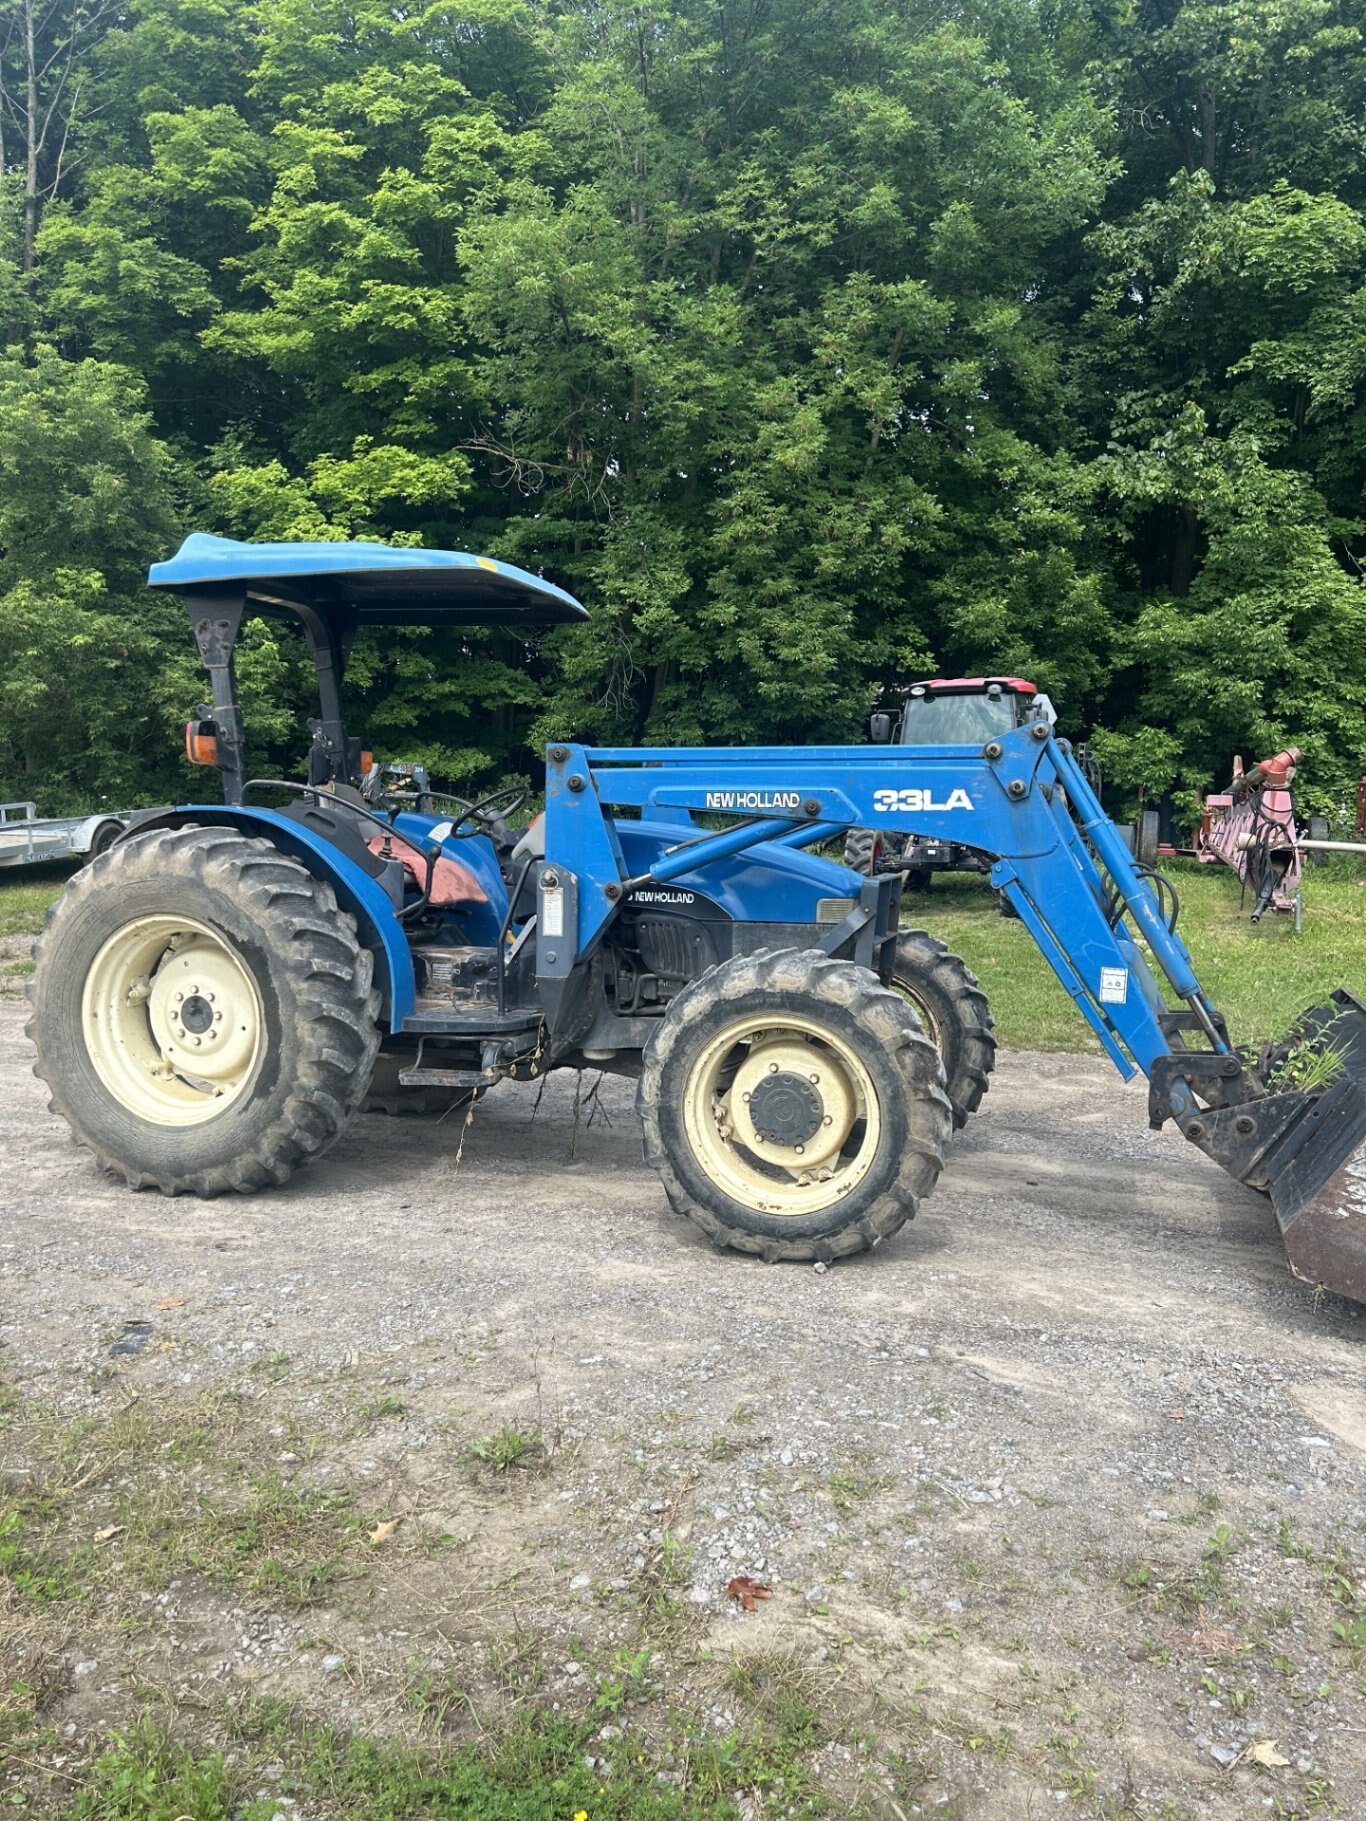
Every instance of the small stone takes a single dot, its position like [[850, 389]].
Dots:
[[1222, 1754], [332, 1663], [820, 1268], [580, 1580], [786, 1457], [85, 1669]]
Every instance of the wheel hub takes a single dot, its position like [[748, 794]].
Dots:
[[786, 1108], [791, 1101], [196, 1014]]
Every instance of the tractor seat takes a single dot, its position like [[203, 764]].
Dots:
[[452, 883], [532, 841]]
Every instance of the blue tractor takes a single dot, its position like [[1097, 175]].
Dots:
[[223, 990]]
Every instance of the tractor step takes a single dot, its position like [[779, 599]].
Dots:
[[449, 1078], [440, 1018]]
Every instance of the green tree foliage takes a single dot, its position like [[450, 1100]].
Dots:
[[818, 347]]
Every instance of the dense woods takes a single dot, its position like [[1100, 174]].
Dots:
[[818, 344]]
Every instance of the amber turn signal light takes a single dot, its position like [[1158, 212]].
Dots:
[[201, 742]]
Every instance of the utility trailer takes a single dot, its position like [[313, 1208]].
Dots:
[[211, 995], [28, 839]]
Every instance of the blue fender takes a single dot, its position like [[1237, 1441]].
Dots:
[[357, 892]]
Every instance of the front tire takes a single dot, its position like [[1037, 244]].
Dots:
[[203, 1012], [954, 1012], [793, 1107]]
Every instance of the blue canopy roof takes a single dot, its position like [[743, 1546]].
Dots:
[[370, 583]]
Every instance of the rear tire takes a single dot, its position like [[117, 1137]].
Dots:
[[857, 1086], [1148, 834], [955, 1014], [872, 850], [203, 1012]]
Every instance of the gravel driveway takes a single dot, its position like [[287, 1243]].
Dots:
[[1059, 1493]]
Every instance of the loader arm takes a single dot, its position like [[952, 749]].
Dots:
[[1096, 915]]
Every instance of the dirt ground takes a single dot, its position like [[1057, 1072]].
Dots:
[[1059, 1493]]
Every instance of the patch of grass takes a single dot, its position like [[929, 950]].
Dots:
[[1261, 979], [30, 1573], [120, 1505], [666, 1568], [628, 1680], [25, 896], [390, 1408], [144, 1775], [284, 1542], [508, 1446], [536, 1771], [850, 1485], [1161, 1587]]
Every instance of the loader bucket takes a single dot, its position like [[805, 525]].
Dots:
[[1317, 1172]]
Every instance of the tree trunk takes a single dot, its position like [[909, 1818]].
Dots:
[[1183, 555], [31, 145]]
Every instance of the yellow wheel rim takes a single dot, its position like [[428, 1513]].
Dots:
[[172, 1021], [929, 1023], [783, 1117]]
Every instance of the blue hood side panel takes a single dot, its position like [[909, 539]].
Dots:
[[765, 884]]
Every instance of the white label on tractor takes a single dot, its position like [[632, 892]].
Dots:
[[754, 799], [1114, 985], [912, 802], [552, 910]]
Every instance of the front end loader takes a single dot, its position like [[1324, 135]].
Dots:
[[216, 997]]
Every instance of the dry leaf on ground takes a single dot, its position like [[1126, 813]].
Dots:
[[384, 1530], [748, 1591]]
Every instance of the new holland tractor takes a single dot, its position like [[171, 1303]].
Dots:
[[213, 995]]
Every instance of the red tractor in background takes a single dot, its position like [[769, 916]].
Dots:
[[942, 711]]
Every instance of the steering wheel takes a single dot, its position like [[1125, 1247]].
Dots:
[[492, 811]]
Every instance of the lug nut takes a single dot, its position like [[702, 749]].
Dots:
[[773, 1068]]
